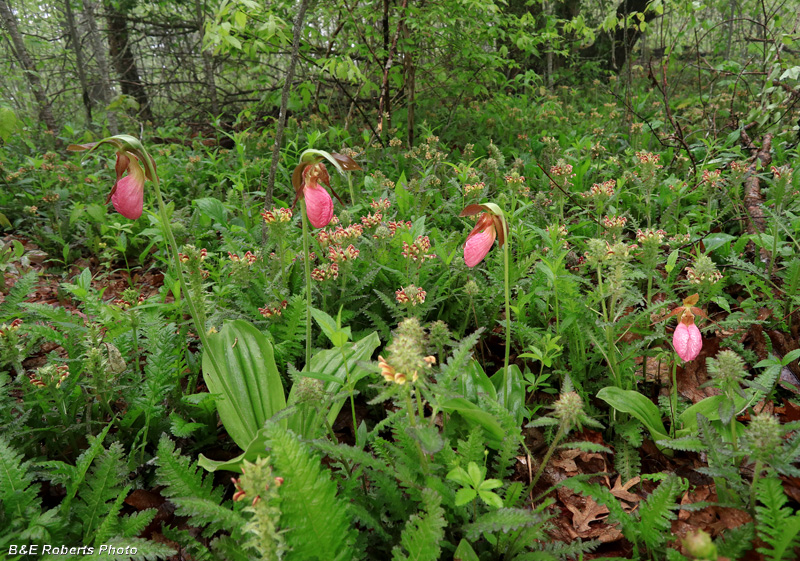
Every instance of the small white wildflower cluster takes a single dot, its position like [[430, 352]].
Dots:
[[411, 295], [703, 272]]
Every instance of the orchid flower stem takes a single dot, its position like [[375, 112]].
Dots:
[[753, 492], [281, 256], [556, 439], [420, 406], [673, 398], [307, 263], [350, 185], [612, 363], [350, 389], [413, 421], [193, 311], [506, 282]]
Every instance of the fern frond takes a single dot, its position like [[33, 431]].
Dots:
[[586, 446], [108, 526], [189, 545], [180, 476], [103, 485], [775, 523], [206, 513], [626, 460], [423, 533], [10, 308], [378, 324], [355, 456], [368, 519], [734, 543], [573, 550], [502, 520], [313, 508], [72, 477], [462, 352], [134, 524], [19, 496], [657, 511], [684, 444], [471, 450]]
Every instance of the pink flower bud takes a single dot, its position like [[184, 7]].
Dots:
[[319, 205], [127, 196], [477, 246], [687, 341]]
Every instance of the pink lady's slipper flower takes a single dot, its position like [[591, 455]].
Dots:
[[490, 225], [687, 340], [127, 194], [306, 181]]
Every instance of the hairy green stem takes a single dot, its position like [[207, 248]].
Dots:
[[556, 439], [193, 311], [307, 263], [352, 192], [753, 492], [506, 282], [412, 419], [350, 388]]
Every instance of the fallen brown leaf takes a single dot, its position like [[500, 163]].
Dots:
[[621, 491], [591, 512]]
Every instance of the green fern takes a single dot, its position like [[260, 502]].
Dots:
[[657, 512], [19, 496], [313, 508], [103, 485], [573, 550], [10, 307], [503, 520], [505, 457], [289, 333], [193, 494], [423, 532], [163, 362], [72, 477], [626, 460], [191, 548], [734, 543], [471, 450], [650, 526], [775, 522], [462, 352]]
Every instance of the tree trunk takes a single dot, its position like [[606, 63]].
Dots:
[[24, 58], [383, 105], [548, 11], [106, 92], [614, 49], [276, 148], [385, 99], [411, 72], [80, 64], [125, 64]]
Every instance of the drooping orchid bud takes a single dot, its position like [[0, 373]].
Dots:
[[319, 205], [306, 181], [687, 340], [491, 225], [127, 194]]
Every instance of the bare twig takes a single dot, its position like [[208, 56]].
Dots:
[[276, 148]]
